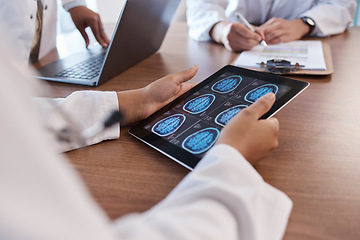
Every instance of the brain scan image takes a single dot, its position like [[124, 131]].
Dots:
[[227, 85], [201, 141], [199, 104], [168, 125], [225, 116], [258, 92]]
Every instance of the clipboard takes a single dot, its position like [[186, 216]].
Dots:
[[328, 62]]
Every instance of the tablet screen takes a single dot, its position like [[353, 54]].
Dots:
[[188, 127]]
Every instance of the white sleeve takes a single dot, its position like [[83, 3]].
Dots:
[[69, 4], [77, 112], [223, 198], [331, 16], [202, 16], [43, 198]]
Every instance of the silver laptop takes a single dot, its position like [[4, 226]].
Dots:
[[139, 32]]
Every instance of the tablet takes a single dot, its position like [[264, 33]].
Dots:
[[188, 127]]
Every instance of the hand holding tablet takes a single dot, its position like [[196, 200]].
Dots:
[[190, 125]]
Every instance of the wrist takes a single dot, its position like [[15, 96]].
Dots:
[[131, 103], [302, 29], [310, 23]]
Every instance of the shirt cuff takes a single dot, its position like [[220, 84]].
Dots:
[[71, 4], [111, 103], [90, 108], [226, 155], [229, 162]]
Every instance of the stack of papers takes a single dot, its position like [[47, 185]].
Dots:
[[307, 53]]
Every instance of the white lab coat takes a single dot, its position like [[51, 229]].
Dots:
[[19, 17], [43, 198], [331, 16]]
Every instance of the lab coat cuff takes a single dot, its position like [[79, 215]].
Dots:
[[224, 154], [110, 104], [71, 4], [202, 33], [106, 103], [229, 158], [200, 25], [225, 177]]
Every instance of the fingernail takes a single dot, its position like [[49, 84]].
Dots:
[[270, 96]]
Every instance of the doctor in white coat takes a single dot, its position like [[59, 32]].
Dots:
[[275, 21], [20, 17], [42, 197]]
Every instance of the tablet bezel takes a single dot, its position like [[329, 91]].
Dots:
[[188, 159]]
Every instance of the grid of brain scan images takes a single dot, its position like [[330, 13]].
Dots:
[[194, 124]]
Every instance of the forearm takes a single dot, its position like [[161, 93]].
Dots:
[[331, 18], [131, 104], [223, 198], [80, 110], [202, 16]]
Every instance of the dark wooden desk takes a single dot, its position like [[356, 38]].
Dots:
[[317, 163]]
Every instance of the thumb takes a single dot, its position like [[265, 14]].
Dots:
[[262, 105], [186, 75]]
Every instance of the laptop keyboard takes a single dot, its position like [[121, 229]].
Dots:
[[87, 69]]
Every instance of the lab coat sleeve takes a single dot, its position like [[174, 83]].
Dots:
[[331, 16], [77, 112], [202, 15], [223, 198], [69, 4], [44, 198]]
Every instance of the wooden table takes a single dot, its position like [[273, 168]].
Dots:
[[317, 163]]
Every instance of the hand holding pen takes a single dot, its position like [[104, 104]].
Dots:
[[236, 36], [242, 19]]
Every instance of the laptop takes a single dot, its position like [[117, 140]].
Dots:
[[139, 33]]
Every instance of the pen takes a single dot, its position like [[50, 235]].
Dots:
[[247, 24]]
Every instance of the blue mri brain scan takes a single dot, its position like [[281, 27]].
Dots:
[[168, 125], [225, 116], [227, 85], [199, 104], [258, 92], [201, 141]]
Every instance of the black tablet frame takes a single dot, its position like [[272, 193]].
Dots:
[[188, 159]]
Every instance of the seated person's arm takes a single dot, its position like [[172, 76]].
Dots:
[[83, 109], [224, 197]]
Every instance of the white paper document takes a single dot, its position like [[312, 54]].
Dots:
[[307, 53]]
